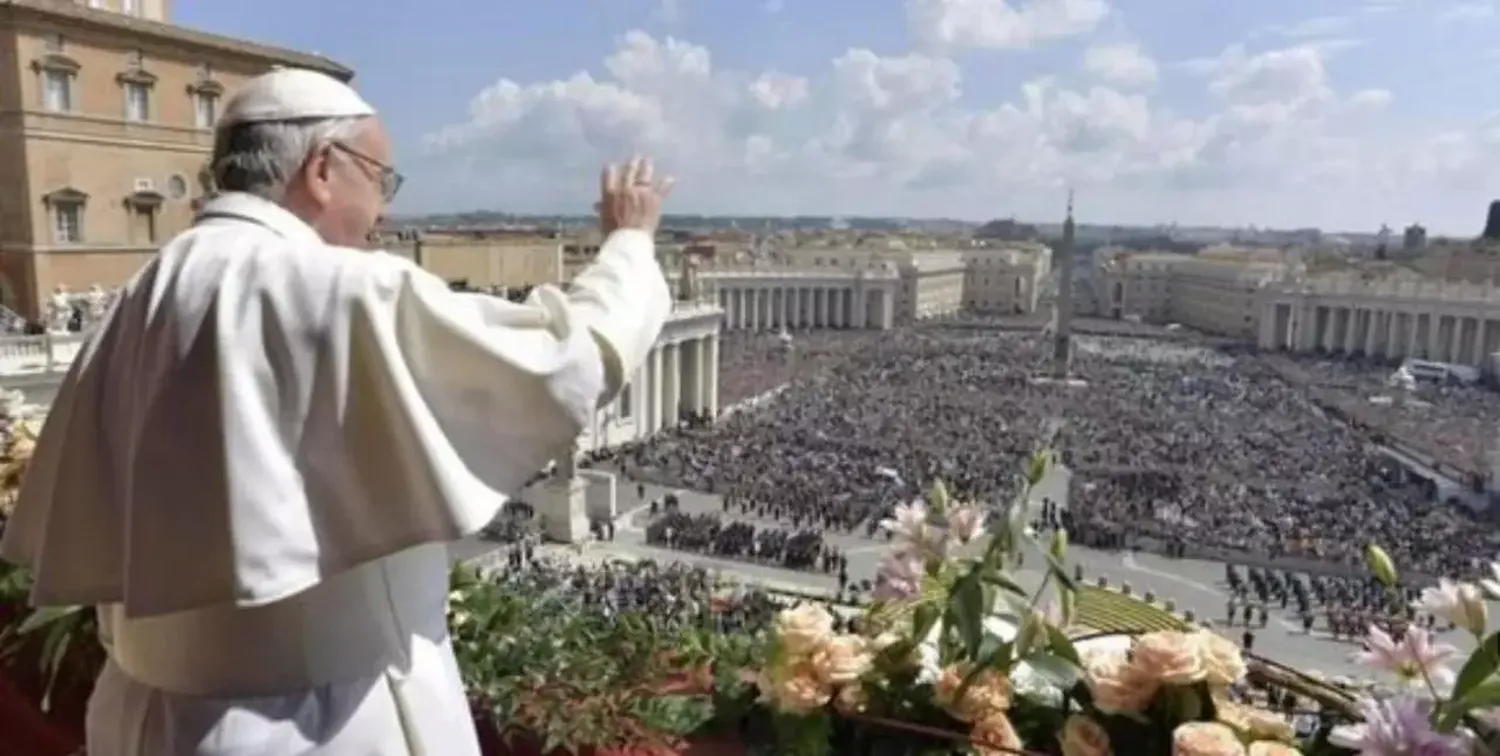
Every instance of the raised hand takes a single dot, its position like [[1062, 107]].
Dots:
[[630, 196]]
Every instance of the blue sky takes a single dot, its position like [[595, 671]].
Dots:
[[1342, 114]]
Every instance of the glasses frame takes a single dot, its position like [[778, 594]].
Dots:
[[390, 178]]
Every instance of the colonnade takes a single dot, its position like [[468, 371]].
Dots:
[[770, 306], [1441, 332], [679, 379]]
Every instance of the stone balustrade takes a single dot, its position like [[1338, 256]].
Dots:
[[38, 355]]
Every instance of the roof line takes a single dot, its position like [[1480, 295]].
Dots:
[[103, 20]]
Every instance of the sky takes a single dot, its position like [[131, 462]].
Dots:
[[1341, 114]]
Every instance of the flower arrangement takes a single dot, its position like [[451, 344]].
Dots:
[[956, 651], [1434, 711]]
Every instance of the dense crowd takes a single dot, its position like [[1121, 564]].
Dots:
[[673, 593], [707, 533], [1453, 424], [1170, 445]]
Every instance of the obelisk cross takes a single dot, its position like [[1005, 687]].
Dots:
[[1062, 332]]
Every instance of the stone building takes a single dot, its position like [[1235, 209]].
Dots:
[[108, 113], [1005, 279], [1215, 291], [485, 259]]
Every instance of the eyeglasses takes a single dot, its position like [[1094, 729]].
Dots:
[[390, 178]]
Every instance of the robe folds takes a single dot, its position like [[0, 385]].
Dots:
[[253, 468]]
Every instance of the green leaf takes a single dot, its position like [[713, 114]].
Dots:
[[1059, 572], [1482, 696], [1003, 583], [924, 618], [1060, 644], [1057, 671], [967, 610], [45, 615], [1480, 667]]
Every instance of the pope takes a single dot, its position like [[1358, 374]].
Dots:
[[254, 467]]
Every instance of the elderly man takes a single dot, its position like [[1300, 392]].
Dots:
[[254, 469]]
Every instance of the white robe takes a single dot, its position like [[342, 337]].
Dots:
[[254, 467]]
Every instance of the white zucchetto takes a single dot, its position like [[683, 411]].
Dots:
[[290, 94]]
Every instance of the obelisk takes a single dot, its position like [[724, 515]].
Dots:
[[1062, 319]]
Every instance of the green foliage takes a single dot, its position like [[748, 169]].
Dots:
[[65, 640], [550, 666]]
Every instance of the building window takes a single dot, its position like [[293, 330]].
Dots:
[[137, 101], [57, 91], [205, 110], [205, 93], [66, 206], [142, 206], [136, 84]]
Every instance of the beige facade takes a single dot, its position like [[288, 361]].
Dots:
[[758, 299], [506, 261], [1005, 280], [106, 117], [931, 281], [1393, 317], [1215, 291]]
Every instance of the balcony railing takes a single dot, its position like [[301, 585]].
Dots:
[[38, 355]]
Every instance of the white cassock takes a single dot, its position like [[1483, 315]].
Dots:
[[254, 469]]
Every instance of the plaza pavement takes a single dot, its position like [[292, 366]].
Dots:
[[1193, 584]]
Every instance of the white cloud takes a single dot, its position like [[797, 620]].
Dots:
[[1000, 24], [773, 6], [1120, 63], [778, 91], [1275, 140]]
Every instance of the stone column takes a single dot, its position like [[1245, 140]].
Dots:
[[692, 375], [672, 398], [655, 388], [711, 374]]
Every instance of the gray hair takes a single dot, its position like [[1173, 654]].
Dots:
[[261, 158]]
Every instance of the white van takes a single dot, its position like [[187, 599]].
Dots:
[[1440, 372]]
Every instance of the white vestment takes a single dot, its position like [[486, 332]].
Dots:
[[255, 465]]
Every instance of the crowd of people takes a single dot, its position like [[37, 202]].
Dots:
[[671, 593], [1452, 423], [1170, 444], [707, 533]]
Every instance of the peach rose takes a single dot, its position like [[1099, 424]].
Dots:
[[996, 736], [1116, 685], [987, 696], [1232, 713], [803, 629], [799, 691], [1222, 663], [1082, 736], [1268, 725], [1206, 739], [841, 659], [852, 699], [1172, 658], [1272, 748]]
